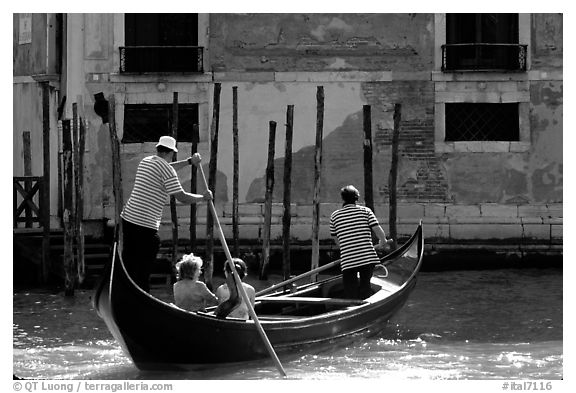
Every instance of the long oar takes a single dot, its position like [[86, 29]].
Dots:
[[240, 286], [301, 276]]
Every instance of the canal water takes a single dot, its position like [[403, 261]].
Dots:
[[457, 325]]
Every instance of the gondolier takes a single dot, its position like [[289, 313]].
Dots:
[[156, 179], [352, 226]]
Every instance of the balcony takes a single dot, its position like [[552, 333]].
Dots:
[[484, 57], [161, 59]]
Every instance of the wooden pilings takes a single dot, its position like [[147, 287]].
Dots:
[[286, 217], [173, 213], [317, 179], [368, 187], [236, 168], [26, 146], [116, 168], [394, 175], [193, 177], [268, 201], [68, 182], [79, 140], [209, 268], [46, 181]]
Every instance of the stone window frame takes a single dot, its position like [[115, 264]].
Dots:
[[203, 40], [480, 87]]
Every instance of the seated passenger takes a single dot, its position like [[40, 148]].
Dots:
[[189, 293], [231, 303]]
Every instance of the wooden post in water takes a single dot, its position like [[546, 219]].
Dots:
[[286, 218], [268, 202], [173, 213], [116, 167], [212, 185], [68, 220], [394, 175], [317, 178], [46, 181], [80, 197], [78, 160], [193, 177], [26, 147], [236, 168], [368, 187]]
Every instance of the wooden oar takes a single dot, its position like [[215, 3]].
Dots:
[[241, 289], [310, 273], [303, 275]]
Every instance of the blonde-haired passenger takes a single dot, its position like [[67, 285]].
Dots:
[[189, 293]]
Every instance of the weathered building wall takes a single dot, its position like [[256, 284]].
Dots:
[[379, 60], [321, 42], [35, 64]]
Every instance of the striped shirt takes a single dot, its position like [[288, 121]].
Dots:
[[155, 181], [353, 224]]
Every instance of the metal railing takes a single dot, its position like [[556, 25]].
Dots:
[[484, 57], [158, 59]]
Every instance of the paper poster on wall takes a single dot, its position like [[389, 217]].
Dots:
[[25, 31]]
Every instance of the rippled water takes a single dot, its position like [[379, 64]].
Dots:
[[493, 324]]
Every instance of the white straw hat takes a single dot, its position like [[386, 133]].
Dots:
[[167, 141]]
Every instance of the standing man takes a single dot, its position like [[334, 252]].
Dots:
[[352, 225], [156, 179]]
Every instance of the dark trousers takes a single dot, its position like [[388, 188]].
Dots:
[[139, 248], [357, 282]]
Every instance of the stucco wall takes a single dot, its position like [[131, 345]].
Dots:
[[379, 60], [321, 42]]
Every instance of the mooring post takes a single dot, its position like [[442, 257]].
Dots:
[[317, 179], [80, 196], [116, 167], [286, 217], [368, 187], [68, 180], [268, 202], [26, 149], [394, 175], [78, 158], [193, 177], [173, 212], [46, 181], [212, 185], [236, 168]]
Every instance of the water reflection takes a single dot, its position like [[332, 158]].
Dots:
[[503, 324]]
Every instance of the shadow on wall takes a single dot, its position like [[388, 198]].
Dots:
[[221, 194], [342, 164]]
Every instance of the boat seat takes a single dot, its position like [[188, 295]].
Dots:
[[310, 300]]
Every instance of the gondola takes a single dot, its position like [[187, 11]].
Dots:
[[158, 335]]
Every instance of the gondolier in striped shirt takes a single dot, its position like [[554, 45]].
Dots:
[[352, 226], [156, 179]]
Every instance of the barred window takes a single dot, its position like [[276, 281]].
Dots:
[[148, 122], [482, 122]]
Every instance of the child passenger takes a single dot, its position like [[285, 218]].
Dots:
[[189, 293]]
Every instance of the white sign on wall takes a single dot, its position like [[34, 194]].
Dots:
[[25, 31]]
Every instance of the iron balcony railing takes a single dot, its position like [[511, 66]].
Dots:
[[147, 59], [484, 57]]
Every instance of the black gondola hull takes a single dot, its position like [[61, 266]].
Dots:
[[158, 335]]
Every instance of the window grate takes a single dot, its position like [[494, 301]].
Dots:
[[148, 122], [482, 122]]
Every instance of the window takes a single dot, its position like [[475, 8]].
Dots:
[[148, 122], [483, 42], [482, 122], [161, 43]]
